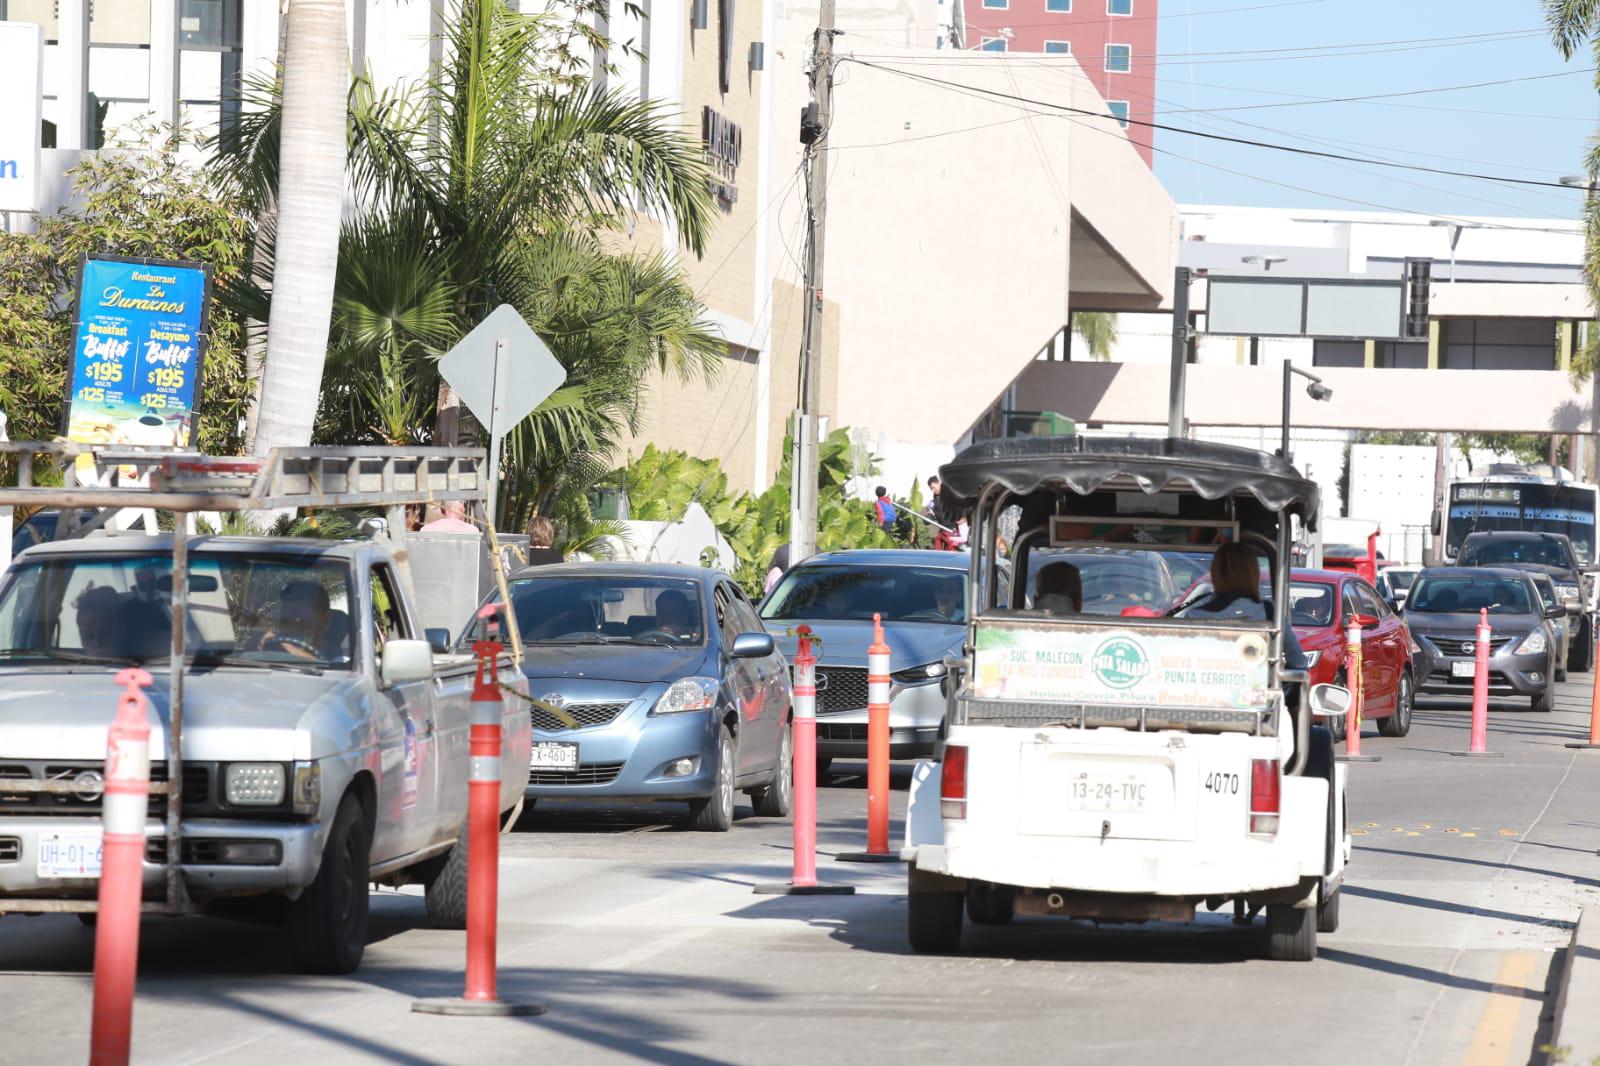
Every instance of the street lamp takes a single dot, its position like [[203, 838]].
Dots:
[[1315, 389], [1455, 237], [1266, 261]]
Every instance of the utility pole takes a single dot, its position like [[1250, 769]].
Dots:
[[814, 123]]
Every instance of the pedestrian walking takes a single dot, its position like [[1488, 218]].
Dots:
[[885, 509], [541, 541], [449, 517], [931, 511], [777, 567]]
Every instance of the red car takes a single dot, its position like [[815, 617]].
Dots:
[[1322, 605]]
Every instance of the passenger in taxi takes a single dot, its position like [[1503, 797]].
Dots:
[[1235, 585], [1059, 590]]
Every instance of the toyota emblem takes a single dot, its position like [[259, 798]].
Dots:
[[554, 699], [89, 786]]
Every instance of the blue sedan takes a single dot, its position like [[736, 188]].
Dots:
[[652, 682]]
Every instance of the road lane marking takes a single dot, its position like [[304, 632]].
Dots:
[[1492, 1041]]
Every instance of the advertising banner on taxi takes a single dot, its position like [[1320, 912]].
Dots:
[[139, 344], [1098, 666]]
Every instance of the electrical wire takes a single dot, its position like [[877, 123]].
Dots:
[[1246, 141]]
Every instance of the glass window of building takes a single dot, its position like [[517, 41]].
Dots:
[[1002, 4], [1119, 110], [1119, 58], [1119, 7], [994, 44], [1058, 7], [119, 67], [42, 12], [208, 63], [1058, 48], [1498, 344]]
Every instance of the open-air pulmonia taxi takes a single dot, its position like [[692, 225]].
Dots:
[[1110, 755]]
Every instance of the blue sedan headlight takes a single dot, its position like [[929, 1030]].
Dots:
[[688, 694]]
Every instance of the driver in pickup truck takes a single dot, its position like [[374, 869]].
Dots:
[[100, 626], [303, 614]]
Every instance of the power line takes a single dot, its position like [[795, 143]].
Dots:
[[1247, 141], [1282, 55], [1382, 96]]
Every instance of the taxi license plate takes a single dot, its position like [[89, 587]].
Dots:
[[1466, 669], [69, 853], [553, 755], [1109, 792]]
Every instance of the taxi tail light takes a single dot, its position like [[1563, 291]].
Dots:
[[1266, 788], [953, 782]]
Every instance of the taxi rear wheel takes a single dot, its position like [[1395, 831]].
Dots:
[[1291, 932], [933, 921]]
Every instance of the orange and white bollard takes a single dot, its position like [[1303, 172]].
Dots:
[[483, 849], [125, 808], [1479, 744], [1594, 705], [804, 879], [878, 682], [1358, 697]]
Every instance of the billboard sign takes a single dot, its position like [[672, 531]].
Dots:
[[22, 89], [138, 347], [1257, 305]]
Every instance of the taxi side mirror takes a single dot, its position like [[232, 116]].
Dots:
[[1329, 701]]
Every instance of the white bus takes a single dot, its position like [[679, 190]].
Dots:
[[1538, 499]]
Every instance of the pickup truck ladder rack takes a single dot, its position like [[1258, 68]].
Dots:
[[186, 482]]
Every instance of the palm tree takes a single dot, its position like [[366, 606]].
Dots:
[[491, 185], [310, 196], [1572, 23], [1098, 330]]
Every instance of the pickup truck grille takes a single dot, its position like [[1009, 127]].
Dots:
[[588, 716], [845, 689], [589, 773], [196, 788]]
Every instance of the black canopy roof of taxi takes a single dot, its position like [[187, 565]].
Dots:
[[1085, 465]]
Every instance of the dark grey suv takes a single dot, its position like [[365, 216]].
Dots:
[[1544, 553], [1442, 613]]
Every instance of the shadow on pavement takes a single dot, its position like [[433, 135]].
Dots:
[[1422, 973], [1453, 908], [1432, 857]]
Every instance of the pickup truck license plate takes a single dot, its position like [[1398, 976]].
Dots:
[[1112, 791], [1466, 669], [69, 853], [553, 755]]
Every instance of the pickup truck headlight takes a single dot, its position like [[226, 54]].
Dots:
[[1532, 644], [254, 784], [688, 694], [919, 675], [307, 787]]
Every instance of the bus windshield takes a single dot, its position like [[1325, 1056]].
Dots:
[[1490, 506]]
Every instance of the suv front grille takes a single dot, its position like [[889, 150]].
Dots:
[[841, 688], [589, 773], [588, 716]]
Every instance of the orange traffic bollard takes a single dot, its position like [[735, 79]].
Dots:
[[483, 850], [1594, 705], [1358, 697], [804, 880], [878, 682], [122, 817], [1479, 744]]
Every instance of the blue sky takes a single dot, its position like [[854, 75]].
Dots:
[[1211, 57]]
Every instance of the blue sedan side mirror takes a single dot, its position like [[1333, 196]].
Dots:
[[752, 646]]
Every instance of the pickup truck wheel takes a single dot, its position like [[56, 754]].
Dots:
[[990, 904], [444, 892], [1291, 933], [714, 814], [328, 923], [933, 921], [1328, 912], [1582, 652], [774, 800], [1398, 724]]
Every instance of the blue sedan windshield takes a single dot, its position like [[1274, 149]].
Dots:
[[608, 609], [898, 593]]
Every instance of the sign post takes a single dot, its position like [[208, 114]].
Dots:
[[501, 371]]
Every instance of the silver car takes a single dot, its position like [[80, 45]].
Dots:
[[921, 596]]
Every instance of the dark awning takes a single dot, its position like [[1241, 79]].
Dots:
[[1084, 464]]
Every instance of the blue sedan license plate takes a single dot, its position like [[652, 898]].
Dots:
[[553, 755]]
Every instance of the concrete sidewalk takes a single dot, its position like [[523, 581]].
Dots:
[[1575, 1037]]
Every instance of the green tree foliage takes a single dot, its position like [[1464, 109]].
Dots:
[[137, 203], [499, 181], [662, 484], [1098, 329]]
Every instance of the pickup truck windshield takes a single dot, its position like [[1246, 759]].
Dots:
[[244, 609], [606, 609]]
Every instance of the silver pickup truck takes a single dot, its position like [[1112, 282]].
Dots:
[[324, 739]]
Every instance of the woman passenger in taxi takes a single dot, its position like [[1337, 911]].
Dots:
[[1235, 587], [1060, 590]]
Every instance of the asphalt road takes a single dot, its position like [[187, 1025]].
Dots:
[[647, 944]]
